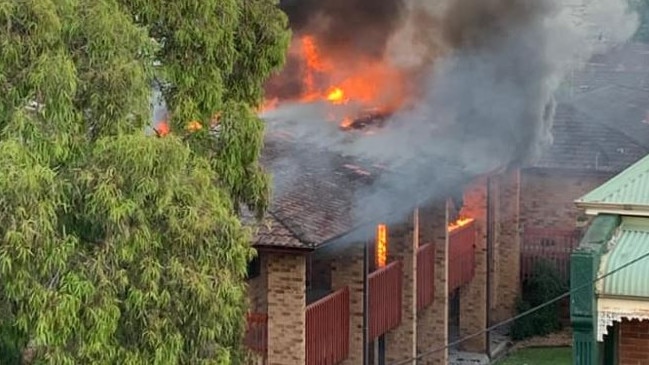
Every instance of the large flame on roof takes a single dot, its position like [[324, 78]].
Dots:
[[355, 83]]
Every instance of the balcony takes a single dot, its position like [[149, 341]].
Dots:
[[385, 292], [425, 275], [461, 259]]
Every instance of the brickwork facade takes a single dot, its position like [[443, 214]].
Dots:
[[505, 277], [547, 197], [473, 296], [634, 342], [529, 198], [432, 321], [347, 270], [403, 241], [286, 309]]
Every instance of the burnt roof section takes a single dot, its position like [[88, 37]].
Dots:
[[314, 195]]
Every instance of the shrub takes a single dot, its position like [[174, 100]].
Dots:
[[544, 285]]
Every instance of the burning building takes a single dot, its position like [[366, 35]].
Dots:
[[384, 118], [317, 263], [395, 138]]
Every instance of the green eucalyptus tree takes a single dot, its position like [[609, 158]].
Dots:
[[215, 56], [117, 247]]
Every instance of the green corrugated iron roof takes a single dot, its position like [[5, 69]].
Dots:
[[629, 243], [628, 188]]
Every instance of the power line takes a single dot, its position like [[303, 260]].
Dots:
[[521, 315]]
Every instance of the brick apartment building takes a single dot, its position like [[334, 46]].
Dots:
[[429, 281], [610, 299], [307, 285]]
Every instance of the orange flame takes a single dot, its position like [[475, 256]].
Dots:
[[459, 223], [369, 84], [162, 128], [381, 245], [336, 96]]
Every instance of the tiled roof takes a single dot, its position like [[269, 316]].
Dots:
[[270, 232], [323, 187], [314, 193], [603, 123], [621, 108], [629, 188], [624, 65], [580, 143]]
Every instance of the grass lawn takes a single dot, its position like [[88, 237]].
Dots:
[[539, 356]]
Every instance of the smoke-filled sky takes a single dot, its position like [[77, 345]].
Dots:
[[486, 74], [348, 25]]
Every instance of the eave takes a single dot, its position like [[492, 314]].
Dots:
[[615, 209]]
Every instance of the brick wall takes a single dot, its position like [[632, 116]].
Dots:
[[432, 322], [403, 241], [505, 200], [547, 197], [347, 270], [286, 309], [473, 296], [634, 342]]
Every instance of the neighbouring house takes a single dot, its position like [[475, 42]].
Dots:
[[609, 271]]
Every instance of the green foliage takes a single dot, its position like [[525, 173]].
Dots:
[[215, 65], [544, 285], [117, 247], [539, 356]]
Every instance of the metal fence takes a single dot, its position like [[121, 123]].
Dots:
[[551, 245]]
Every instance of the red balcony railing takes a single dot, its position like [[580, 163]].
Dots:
[[257, 333], [425, 275], [461, 260], [327, 329], [385, 290]]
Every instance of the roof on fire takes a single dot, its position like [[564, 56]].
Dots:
[[318, 206]]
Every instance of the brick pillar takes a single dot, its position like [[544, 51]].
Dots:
[[286, 309], [432, 321], [403, 241], [507, 250], [473, 296], [347, 270]]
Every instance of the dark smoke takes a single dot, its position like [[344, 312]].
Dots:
[[487, 72], [358, 26]]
